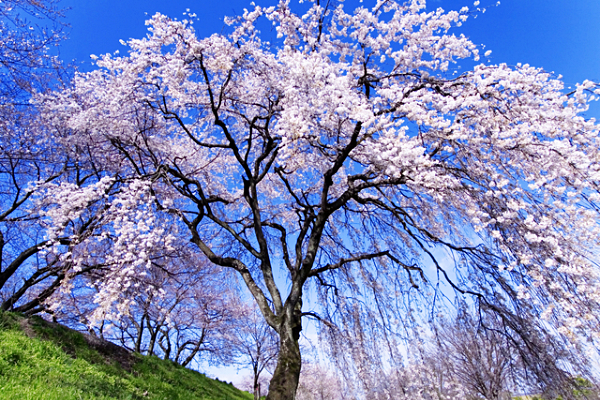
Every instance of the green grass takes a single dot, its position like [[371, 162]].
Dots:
[[41, 361]]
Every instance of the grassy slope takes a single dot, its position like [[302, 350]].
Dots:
[[42, 361]]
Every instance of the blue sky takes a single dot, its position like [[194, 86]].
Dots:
[[562, 36], [559, 35]]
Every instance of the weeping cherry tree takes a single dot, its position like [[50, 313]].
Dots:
[[346, 156]]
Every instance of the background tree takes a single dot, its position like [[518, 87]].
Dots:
[[319, 383], [480, 357], [179, 310], [257, 345], [349, 157]]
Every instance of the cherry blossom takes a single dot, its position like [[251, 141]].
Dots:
[[344, 153]]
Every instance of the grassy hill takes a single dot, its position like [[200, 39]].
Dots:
[[44, 361]]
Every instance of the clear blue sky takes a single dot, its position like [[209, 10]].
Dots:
[[561, 36], [558, 35]]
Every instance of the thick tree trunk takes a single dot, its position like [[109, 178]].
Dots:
[[287, 373]]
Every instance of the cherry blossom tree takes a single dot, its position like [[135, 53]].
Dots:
[[186, 313], [348, 156], [255, 342], [319, 383], [28, 29], [191, 322], [480, 357], [29, 159]]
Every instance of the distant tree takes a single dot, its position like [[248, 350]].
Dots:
[[190, 322], [256, 343], [319, 383], [349, 156], [480, 357], [185, 313], [483, 354]]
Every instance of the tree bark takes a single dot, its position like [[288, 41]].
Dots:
[[256, 387], [287, 373]]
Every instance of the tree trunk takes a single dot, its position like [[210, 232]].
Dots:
[[287, 373], [256, 384]]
